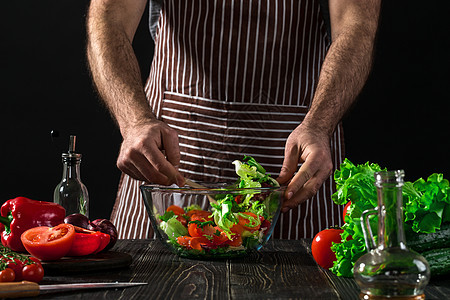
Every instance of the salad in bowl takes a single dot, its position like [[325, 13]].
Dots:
[[218, 220]]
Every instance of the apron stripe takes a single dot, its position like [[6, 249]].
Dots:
[[234, 78]]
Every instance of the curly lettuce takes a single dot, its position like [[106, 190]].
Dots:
[[251, 175]]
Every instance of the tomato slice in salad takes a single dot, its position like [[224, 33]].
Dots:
[[237, 228], [199, 241], [236, 240], [219, 236], [249, 221], [176, 210], [196, 242], [49, 243], [197, 214], [184, 241]]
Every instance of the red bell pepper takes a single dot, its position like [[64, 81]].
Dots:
[[88, 242], [20, 214]]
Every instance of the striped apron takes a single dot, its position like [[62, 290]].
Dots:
[[235, 77]]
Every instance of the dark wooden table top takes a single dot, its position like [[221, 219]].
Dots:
[[283, 269]]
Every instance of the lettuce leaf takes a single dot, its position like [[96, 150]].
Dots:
[[173, 228], [251, 175], [424, 203]]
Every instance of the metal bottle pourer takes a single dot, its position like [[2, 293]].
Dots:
[[73, 140], [71, 153]]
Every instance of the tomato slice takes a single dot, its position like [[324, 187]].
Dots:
[[237, 228], [235, 241], [176, 210], [196, 230], [249, 221], [182, 220], [197, 242], [49, 243], [199, 214], [219, 236], [184, 241]]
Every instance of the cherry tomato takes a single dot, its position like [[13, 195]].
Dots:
[[33, 272], [176, 210], [250, 223], [49, 243], [7, 275], [16, 265], [35, 260], [321, 247], [345, 210]]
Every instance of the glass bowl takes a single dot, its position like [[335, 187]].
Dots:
[[192, 230]]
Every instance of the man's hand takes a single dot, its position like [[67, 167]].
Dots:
[[343, 74], [141, 153], [115, 70], [312, 149]]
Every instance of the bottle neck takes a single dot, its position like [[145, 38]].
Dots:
[[390, 223], [71, 169]]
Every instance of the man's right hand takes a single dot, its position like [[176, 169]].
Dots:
[[150, 152]]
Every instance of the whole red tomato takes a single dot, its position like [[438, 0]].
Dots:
[[49, 243], [321, 247], [345, 210], [33, 272], [7, 275]]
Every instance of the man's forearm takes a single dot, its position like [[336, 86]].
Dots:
[[343, 74], [115, 69]]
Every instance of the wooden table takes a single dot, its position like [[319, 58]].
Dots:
[[282, 270]]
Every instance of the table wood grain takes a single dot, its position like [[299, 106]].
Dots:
[[281, 270]]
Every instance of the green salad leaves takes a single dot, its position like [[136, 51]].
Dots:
[[426, 205], [251, 175]]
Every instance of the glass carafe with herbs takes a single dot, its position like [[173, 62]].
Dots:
[[389, 270], [71, 193]]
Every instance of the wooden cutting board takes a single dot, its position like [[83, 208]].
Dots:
[[97, 262]]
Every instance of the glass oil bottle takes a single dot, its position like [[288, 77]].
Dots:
[[389, 270], [71, 193]]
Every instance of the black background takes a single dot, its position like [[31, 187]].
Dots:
[[401, 119]]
